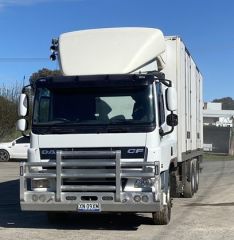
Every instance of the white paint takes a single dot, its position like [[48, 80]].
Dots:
[[182, 70], [109, 50], [23, 105], [16, 148], [92, 140]]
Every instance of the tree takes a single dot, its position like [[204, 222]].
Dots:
[[227, 103], [8, 104], [44, 72], [8, 116]]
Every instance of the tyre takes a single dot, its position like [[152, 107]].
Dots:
[[163, 217], [173, 185], [196, 176], [189, 187], [4, 155]]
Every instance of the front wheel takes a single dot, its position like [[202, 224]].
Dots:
[[163, 216], [4, 155]]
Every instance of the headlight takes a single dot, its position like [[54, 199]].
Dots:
[[40, 183], [144, 183]]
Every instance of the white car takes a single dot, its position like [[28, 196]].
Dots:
[[16, 149]]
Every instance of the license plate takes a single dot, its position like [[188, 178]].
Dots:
[[89, 207]]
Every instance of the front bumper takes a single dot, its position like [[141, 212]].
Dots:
[[106, 207], [45, 201], [111, 198]]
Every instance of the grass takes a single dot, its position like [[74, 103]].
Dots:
[[209, 156], [12, 134]]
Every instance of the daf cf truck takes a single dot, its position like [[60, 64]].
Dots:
[[119, 131]]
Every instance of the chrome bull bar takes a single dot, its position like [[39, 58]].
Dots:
[[89, 159]]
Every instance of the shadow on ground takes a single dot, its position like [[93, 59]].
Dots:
[[12, 217]]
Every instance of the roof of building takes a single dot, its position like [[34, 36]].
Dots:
[[218, 113]]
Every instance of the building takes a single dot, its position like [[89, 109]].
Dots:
[[218, 129]]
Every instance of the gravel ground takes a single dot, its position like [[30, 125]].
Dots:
[[209, 215]]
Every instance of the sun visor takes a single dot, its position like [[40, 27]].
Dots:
[[109, 50]]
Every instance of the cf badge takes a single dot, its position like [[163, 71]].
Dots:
[[135, 150]]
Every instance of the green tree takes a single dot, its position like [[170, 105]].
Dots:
[[227, 103], [9, 101], [8, 116], [44, 72]]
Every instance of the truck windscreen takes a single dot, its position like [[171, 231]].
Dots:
[[76, 108]]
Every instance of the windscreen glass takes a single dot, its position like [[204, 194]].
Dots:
[[94, 106]]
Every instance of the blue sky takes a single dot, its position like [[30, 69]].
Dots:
[[207, 28]]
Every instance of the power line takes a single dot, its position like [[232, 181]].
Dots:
[[26, 59]]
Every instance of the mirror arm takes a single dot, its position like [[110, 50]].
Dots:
[[25, 135], [159, 76], [24, 90], [162, 133], [165, 82]]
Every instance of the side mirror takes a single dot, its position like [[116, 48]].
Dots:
[[23, 105], [171, 98], [21, 125], [172, 120]]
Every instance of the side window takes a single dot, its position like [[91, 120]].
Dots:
[[44, 107], [161, 109], [23, 140]]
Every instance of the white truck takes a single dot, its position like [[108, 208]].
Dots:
[[104, 136]]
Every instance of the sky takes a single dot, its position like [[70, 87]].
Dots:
[[206, 27]]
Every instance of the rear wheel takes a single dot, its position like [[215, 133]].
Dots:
[[173, 185], [196, 176], [163, 217], [189, 187], [4, 155]]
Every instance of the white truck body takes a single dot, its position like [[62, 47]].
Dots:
[[153, 159], [188, 82]]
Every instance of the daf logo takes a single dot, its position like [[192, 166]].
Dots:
[[135, 150], [48, 152]]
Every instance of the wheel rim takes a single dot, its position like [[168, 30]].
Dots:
[[3, 156]]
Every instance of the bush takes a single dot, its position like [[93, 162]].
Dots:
[[8, 111]]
